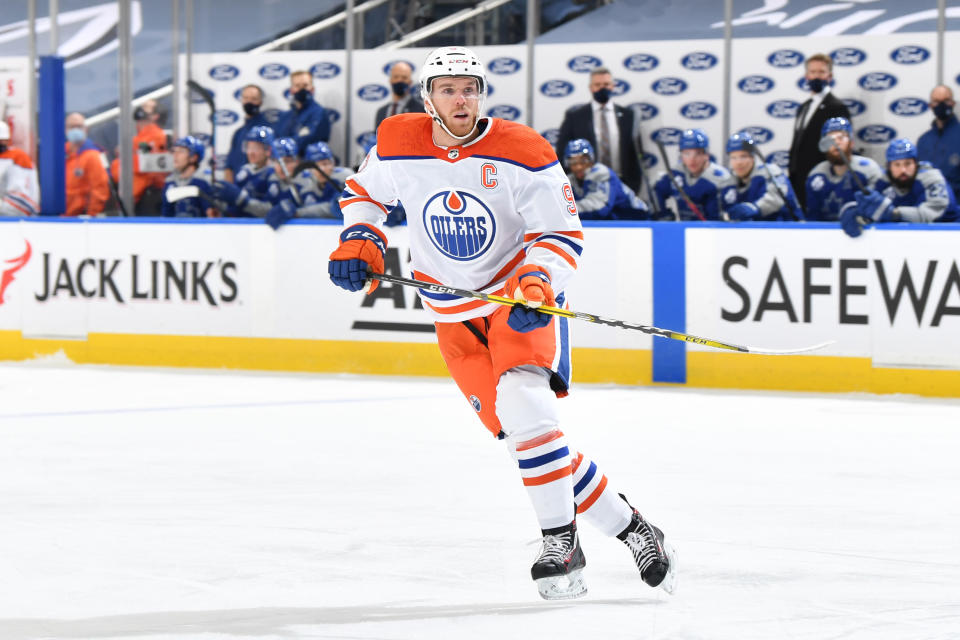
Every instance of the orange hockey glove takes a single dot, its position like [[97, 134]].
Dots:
[[530, 286]]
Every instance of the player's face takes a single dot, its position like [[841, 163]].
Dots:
[[181, 158], [289, 162], [903, 171], [841, 145], [457, 101], [818, 69], [579, 165], [256, 153], [695, 160], [741, 163]]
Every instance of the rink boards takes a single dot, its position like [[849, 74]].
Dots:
[[236, 294]]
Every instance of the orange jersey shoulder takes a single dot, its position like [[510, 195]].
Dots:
[[516, 143], [406, 134], [18, 157]]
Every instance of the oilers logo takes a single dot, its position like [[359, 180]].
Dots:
[[459, 224], [475, 401]]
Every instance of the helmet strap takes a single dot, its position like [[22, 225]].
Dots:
[[432, 112]]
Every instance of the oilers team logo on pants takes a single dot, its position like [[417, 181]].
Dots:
[[459, 224]]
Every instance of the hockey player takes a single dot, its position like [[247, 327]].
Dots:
[[913, 192], [758, 193], [599, 193], [830, 186], [19, 191], [187, 155], [255, 187], [490, 209], [310, 194], [701, 179]]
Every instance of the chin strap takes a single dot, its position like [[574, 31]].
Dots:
[[436, 118]]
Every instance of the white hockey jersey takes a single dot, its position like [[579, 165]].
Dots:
[[475, 212], [19, 191]]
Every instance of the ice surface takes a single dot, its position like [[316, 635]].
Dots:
[[149, 504]]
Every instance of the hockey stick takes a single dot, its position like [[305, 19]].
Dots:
[[207, 97], [113, 185], [578, 315], [752, 148], [826, 144], [313, 165], [286, 174], [638, 137], [683, 192]]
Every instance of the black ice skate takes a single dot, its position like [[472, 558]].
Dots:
[[655, 558], [559, 567]]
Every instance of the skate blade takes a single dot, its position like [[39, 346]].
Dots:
[[565, 587], [669, 583]]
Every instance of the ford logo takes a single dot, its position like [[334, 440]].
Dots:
[[224, 72], [332, 114], [649, 161], [620, 87], [908, 106], [855, 107], [847, 56], [489, 89], [760, 135], [877, 81], [388, 66], [667, 135], [783, 108], [783, 58], [504, 66], [372, 92], [698, 61], [556, 88], [755, 84], [584, 64], [238, 94], [224, 117], [286, 94], [779, 158], [641, 62], [646, 110], [669, 86], [698, 110], [274, 71], [325, 70], [909, 54], [551, 136], [877, 134], [271, 115], [366, 138], [504, 112]]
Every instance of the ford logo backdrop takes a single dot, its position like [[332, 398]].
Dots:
[[224, 72], [779, 158], [646, 110], [274, 71], [698, 110], [224, 117], [760, 135], [641, 62], [372, 92], [667, 135], [669, 86], [556, 88], [854, 106], [649, 161], [877, 81], [551, 136], [909, 54], [698, 61], [877, 134], [325, 70], [504, 111], [847, 56], [504, 66], [584, 64], [755, 84], [332, 114], [783, 108], [784, 58], [908, 106], [620, 87]]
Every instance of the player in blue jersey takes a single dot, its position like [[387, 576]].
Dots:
[[187, 154], [913, 192], [309, 193], [759, 192], [699, 178], [598, 191], [830, 186], [255, 188]]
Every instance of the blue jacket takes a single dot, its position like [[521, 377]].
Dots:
[[759, 190], [307, 125], [237, 158], [828, 194], [928, 198], [602, 196], [941, 148], [704, 190]]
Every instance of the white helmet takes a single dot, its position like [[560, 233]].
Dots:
[[4, 130], [452, 61]]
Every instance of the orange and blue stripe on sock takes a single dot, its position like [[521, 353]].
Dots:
[[543, 459]]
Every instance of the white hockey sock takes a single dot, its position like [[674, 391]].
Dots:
[[596, 501]]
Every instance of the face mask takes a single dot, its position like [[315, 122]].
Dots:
[[301, 96], [251, 108], [942, 111], [817, 84], [400, 88], [76, 135], [602, 95]]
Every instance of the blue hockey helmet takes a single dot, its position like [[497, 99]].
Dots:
[[694, 139], [284, 148], [193, 146], [836, 124], [317, 151], [900, 149], [577, 147], [262, 134], [738, 142]]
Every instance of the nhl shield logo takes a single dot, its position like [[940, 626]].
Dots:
[[459, 224]]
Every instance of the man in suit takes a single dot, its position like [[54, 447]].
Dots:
[[820, 106], [401, 100], [607, 126]]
